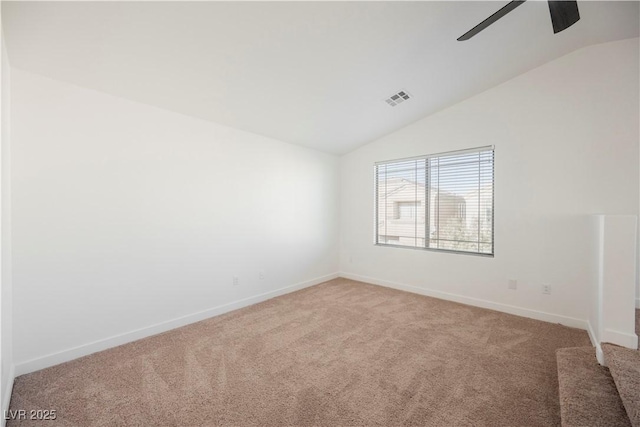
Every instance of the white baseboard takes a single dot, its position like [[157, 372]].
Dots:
[[505, 308], [620, 338], [114, 341], [6, 396]]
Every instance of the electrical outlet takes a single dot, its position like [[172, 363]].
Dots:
[[236, 281], [513, 284], [261, 275], [546, 289]]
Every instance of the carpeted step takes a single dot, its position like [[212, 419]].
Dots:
[[588, 395], [624, 365]]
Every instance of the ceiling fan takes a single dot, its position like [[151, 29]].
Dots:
[[563, 15]]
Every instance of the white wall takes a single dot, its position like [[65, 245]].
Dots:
[[566, 146], [126, 216], [617, 279], [596, 270], [6, 314]]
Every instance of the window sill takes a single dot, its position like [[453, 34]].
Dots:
[[447, 251]]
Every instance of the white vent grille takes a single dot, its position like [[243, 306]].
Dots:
[[398, 98]]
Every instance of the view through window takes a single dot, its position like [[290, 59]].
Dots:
[[442, 201]]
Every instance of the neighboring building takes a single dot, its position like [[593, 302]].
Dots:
[[456, 222], [479, 205], [401, 213]]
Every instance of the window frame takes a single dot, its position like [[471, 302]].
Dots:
[[427, 202]]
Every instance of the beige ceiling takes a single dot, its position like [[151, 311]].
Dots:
[[309, 73]]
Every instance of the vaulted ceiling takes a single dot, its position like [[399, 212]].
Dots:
[[309, 73]]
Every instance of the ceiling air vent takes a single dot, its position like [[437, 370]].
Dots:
[[398, 98]]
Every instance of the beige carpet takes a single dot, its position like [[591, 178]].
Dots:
[[340, 353], [624, 364], [588, 394]]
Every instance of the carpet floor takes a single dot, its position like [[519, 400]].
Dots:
[[624, 365], [588, 393], [339, 353]]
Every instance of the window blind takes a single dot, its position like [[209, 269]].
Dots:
[[440, 202]]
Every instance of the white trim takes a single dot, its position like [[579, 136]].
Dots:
[[637, 302], [600, 355], [103, 344], [620, 338], [518, 311], [6, 397], [596, 344]]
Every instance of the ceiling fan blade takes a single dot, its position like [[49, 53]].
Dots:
[[563, 14], [493, 18]]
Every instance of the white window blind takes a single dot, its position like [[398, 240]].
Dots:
[[440, 202]]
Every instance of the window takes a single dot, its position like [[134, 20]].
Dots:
[[439, 202], [406, 210]]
